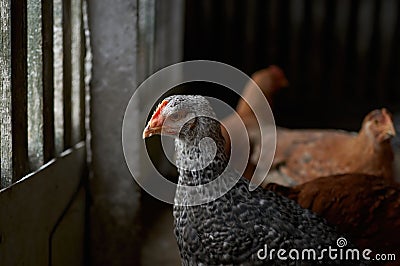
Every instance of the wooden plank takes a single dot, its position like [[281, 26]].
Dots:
[[76, 69], [58, 75], [5, 95], [28, 219], [67, 78], [82, 80], [35, 84], [19, 88], [69, 235], [48, 81]]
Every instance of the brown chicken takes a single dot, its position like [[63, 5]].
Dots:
[[396, 148], [270, 80], [363, 207], [303, 155]]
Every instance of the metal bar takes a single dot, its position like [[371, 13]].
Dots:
[[48, 81], [19, 89]]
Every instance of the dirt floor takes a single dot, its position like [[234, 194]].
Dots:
[[159, 244]]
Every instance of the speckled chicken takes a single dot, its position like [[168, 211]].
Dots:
[[218, 221], [303, 155], [364, 207]]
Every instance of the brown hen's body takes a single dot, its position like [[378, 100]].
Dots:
[[304, 155], [270, 80], [363, 207]]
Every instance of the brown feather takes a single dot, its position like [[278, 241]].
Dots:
[[364, 207]]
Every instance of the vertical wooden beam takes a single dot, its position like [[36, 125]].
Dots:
[[67, 81], [5, 94], [82, 80], [58, 76], [35, 84], [48, 80], [76, 69], [145, 36]]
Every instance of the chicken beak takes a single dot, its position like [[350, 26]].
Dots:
[[155, 125], [390, 132], [150, 131]]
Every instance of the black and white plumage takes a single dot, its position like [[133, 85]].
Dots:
[[231, 229]]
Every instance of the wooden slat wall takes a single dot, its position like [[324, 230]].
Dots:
[[341, 56], [15, 153]]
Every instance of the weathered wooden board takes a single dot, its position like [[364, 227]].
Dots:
[[32, 213]]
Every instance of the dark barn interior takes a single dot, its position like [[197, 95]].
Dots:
[[69, 195], [341, 57]]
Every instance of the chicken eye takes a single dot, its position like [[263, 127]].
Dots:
[[376, 122], [175, 116]]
